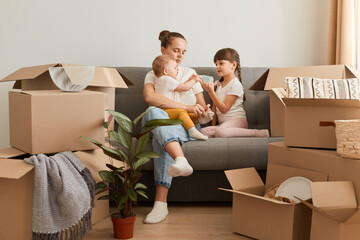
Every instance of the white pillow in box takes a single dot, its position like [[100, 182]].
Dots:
[[308, 87]]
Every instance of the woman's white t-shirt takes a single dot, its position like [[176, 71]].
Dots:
[[234, 87], [188, 97]]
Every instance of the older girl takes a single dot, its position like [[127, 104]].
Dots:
[[228, 99]]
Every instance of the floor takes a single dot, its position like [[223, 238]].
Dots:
[[185, 221]]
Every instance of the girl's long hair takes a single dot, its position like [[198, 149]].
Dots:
[[231, 55]]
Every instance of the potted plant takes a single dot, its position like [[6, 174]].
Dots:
[[122, 181]]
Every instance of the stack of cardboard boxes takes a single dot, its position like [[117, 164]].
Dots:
[[308, 150], [44, 120]]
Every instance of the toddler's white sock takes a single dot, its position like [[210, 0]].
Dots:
[[180, 168], [158, 213], [194, 133]]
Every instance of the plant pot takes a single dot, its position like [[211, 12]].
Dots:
[[123, 227]]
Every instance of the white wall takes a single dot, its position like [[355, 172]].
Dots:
[[275, 33]]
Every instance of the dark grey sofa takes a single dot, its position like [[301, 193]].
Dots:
[[208, 158]]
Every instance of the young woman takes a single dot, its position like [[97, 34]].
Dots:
[[228, 99], [167, 139]]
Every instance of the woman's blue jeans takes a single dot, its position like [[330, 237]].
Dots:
[[160, 137]]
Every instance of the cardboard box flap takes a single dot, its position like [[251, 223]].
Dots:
[[340, 214], [319, 210], [351, 72], [10, 152], [245, 179], [256, 196], [103, 76], [260, 83], [276, 174], [108, 77], [276, 76], [14, 169], [333, 194], [28, 72], [307, 102], [280, 93], [355, 218]]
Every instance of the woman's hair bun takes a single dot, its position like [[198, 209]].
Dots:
[[163, 34]]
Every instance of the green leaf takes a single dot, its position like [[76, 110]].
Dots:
[[132, 195], [101, 185], [145, 154], [123, 121], [142, 193], [140, 185], [141, 143], [106, 125], [163, 122], [140, 116], [105, 197], [122, 201], [106, 176], [139, 162], [99, 144], [115, 153], [124, 137], [121, 178]]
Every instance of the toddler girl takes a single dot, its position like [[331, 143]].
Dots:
[[165, 70], [228, 99]]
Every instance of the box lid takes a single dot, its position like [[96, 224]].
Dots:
[[10, 152], [245, 179], [275, 77], [335, 200], [14, 168], [103, 76]]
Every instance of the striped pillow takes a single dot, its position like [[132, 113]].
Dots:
[[308, 87]]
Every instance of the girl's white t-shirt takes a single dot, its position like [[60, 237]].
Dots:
[[188, 97], [234, 87]]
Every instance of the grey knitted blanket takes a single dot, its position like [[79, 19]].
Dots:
[[63, 194]]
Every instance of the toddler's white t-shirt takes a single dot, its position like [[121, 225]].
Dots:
[[183, 75], [234, 87], [166, 85]]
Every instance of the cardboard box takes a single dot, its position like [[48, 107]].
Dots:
[[38, 78], [16, 183], [302, 118], [53, 121], [320, 160], [336, 213], [275, 78], [263, 218]]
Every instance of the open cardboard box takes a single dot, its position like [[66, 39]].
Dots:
[[336, 213], [53, 121], [275, 78], [38, 78], [263, 218], [320, 160], [16, 183], [302, 118]]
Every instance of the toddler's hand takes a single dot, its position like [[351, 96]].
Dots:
[[195, 77]]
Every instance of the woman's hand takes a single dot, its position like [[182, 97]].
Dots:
[[197, 109]]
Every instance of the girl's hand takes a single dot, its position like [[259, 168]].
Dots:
[[209, 87]]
